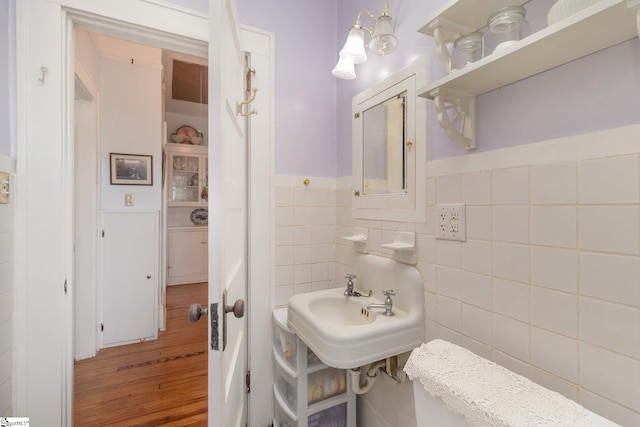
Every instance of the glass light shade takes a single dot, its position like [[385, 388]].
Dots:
[[383, 41], [354, 46], [344, 68]]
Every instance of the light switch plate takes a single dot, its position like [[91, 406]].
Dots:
[[451, 222], [5, 190], [129, 199]]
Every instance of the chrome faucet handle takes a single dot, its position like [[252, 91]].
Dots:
[[349, 291], [388, 303]]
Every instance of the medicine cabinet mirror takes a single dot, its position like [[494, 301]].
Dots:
[[383, 128], [389, 147]]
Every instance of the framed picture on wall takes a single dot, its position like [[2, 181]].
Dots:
[[131, 169]]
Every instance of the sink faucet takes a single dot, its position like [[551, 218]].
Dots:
[[388, 303], [349, 291]]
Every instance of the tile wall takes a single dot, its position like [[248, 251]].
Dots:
[[6, 297], [547, 283], [305, 223]]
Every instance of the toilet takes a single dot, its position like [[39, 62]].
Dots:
[[463, 379]]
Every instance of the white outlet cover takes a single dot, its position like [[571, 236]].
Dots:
[[451, 222]]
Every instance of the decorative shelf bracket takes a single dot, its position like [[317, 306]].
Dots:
[[457, 116], [446, 32]]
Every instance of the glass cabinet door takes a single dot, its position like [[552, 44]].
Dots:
[[188, 176], [184, 179]]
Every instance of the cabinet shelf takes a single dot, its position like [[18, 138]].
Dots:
[[468, 16], [590, 30], [316, 367], [597, 27], [328, 403]]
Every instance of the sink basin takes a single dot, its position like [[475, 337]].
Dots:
[[333, 307], [343, 333]]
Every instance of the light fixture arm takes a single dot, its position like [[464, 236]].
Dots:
[[357, 25]]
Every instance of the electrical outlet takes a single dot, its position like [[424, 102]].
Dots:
[[4, 187], [451, 224], [129, 199]]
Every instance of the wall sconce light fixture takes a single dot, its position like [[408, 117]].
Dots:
[[382, 42]]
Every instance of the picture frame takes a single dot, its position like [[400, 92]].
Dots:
[[131, 169]]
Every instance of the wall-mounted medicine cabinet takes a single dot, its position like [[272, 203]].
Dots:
[[389, 138]]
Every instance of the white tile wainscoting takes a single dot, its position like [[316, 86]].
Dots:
[[7, 292], [547, 283]]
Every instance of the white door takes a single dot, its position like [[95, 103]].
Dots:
[[227, 216], [129, 277]]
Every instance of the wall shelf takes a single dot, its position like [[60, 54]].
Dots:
[[597, 27], [360, 239], [404, 247]]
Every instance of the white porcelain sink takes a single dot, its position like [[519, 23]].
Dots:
[[344, 334], [334, 308]]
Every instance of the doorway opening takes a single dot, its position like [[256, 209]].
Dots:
[[138, 72]]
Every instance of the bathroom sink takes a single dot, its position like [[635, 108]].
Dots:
[[344, 334], [335, 308]]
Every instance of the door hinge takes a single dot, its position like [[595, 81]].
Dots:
[[102, 233], [247, 381], [65, 286], [101, 327]]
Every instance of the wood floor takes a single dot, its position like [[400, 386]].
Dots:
[[155, 383]]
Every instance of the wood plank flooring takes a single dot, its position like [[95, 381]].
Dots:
[[154, 383]]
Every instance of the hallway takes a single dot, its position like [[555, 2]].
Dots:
[[153, 383]]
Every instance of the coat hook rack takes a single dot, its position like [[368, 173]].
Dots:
[[43, 72], [241, 104]]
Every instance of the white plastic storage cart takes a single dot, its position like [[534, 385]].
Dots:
[[307, 392]]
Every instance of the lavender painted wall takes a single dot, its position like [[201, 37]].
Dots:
[[305, 90], [597, 92], [7, 78], [313, 109]]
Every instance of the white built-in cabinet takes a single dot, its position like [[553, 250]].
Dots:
[[129, 246], [307, 392], [187, 175], [187, 254], [596, 27]]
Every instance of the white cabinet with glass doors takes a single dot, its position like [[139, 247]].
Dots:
[[188, 175]]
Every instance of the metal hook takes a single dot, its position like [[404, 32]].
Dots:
[[240, 104], [43, 71]]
